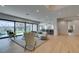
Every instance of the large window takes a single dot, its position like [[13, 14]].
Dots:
[[28, 27], [20, 28], [34, 27], [4, 26]]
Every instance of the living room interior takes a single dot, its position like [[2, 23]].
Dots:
[[39, 28]]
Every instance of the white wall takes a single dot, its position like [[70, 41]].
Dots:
[[76, 25], [65, 12], [62, 27], [55, 26]]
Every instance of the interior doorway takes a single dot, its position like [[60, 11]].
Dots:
[[68, 27]]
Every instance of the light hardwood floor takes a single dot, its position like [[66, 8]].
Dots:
[[60, 44], [54, 44]]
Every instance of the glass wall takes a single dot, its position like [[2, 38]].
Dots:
[[44, 26], [20, 28], [28, 27], [4, 26], [34, 27]]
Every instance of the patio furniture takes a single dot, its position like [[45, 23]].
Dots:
[[11, 34]]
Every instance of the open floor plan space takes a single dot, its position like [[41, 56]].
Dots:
[[39, 29]]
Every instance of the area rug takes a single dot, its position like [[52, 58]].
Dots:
[[20, 41]]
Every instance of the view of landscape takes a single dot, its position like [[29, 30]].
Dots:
[[4, 26], [19, 27]]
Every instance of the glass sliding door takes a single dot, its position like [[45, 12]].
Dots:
[[28, 27], [4, 26], [34, 27], [19, 28]]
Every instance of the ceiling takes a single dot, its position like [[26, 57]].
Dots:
[[55, 7], [33, 12]]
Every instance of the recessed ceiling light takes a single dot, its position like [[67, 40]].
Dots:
[[37, 11]]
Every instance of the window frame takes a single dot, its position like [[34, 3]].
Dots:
[[15, 26]]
